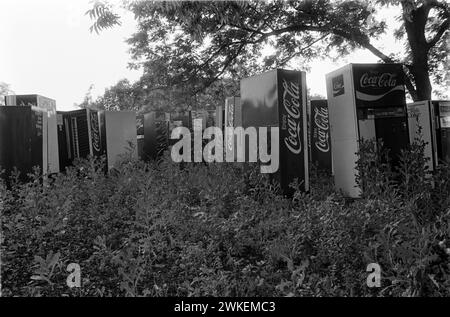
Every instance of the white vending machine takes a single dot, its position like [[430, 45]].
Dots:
[[366, 102]]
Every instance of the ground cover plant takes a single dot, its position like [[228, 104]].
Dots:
[[165, 229]]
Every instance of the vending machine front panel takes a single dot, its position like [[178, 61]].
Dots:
[[366, 102], [50, 130], [120, 135], [21, 140], [443, 134], [278, 99], [320, 135]]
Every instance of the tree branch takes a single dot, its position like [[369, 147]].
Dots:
[[444, 27]]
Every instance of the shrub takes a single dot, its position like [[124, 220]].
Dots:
[[161, 229]]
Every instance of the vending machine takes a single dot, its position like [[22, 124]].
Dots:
[[277, 98], [156, 135], [320, 140], [117, 135], [78, 135], [179, 119], [23, 144], [50, 130], [442, 115], [430, 121], [366, 101]]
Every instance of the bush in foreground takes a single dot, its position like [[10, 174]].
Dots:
[[219, 230]]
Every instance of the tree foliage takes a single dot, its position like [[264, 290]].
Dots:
[[194, 43], [4, 91]]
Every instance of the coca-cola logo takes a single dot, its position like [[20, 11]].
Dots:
[[338, 85], [95, 131], [384, 80], [291, 103], [323, 127]]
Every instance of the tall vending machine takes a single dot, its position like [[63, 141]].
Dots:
[[22, 141], [442, 115], [78, 135], [366, 101], [277, 98], [118, 135], [430, 121], [156, 135], [320, 140], [50, 128]]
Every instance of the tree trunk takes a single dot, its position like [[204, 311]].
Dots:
[[415, 22], [421, 75]]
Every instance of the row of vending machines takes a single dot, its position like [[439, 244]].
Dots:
[[364, 101], [34, 134]]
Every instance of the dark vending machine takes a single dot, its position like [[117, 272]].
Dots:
[[278, 99], [22, 142], [179, 119], [156, 135], [366, 101], [442, 115], [320, 141], [50, 128], [78, 135]]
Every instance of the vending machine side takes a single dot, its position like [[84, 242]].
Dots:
[[442, 112], [15, 141], [121, 136], [421, 123], [64, 148], [343, 129]]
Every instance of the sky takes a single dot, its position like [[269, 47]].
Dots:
[[47, 49]]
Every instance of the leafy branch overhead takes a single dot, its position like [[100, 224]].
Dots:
[[104, 17], [195, 43]]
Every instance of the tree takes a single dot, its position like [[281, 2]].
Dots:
[[141, 98], [194, 43], [4, 91]]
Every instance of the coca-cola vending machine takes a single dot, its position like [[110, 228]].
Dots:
[[118, 135], [278, 99], [320, 141], [156, 135], [50, 128], [22, 141], [78, 135], [366, 101]]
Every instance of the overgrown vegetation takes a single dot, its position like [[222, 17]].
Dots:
[[219, 230]]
